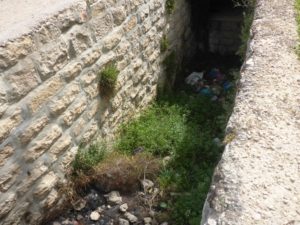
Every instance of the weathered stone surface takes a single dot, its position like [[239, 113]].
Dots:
[[74, 111], [89, 132], [77, 127], [102, 26], [52, 59], [43, 142], [33, 174], [44, 92], [51, 199], [90, 57], [8, 176], [88, 78], [5, 153], [112, 40], [45, 185], [71, 71], [130, 24], [7, 204], [61, 102], [9, 123], [33, 129], [12, 51], [62, 144], [92, 90], [22, 79], [119, 15]]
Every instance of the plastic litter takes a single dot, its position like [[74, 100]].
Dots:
[[194, 77]]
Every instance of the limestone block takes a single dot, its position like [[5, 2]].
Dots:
[[88, 78], [45, 184], [77, 14], [5, 153], [123, 47], [112, 40], [98, 9], [71, 71], [92, 91], [46, 33], [80, 37], [119, 15], [16, 214], [68, 158], [7, 204], [91, 111], [62, 144], [9, 123], [43, 142], [90, 57], [135, 3], [8, 176], [51, 59], [33, 174], [107, 58], [13, 51], [78, 127], [130, 24], [101, 26], [21, 79], [146, 26], [89, 133], [51, 199], [61, 102], [33, 129], [74, 111], [143, 13]]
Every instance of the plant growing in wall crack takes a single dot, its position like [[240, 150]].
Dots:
[[170, 6], [108, 79], [164, 44]]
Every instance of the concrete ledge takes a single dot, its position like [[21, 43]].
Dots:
[[257, 181], [21, 17]]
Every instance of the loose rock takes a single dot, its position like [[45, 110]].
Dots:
[[123, 222], [132, 218], [114, 198], [95, 216], [147, 184], [147, 220], [123, 207]]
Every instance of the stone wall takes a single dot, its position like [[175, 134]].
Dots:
[[223, 30], [49, 93]]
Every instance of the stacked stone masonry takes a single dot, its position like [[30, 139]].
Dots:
[[49, 92]]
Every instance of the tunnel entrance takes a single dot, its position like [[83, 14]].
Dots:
[[216, 25]]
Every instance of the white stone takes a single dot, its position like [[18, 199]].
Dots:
[[95, 216], [123, 207], [132, 218], [147, 220], [114, 198]]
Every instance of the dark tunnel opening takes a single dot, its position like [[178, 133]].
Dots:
[[216, 26]]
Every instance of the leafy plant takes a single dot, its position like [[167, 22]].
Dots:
[[87, 158], [164, 44], [170, 6], [108, 77]]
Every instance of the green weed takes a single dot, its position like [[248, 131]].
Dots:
[[164, 44], [170, 6], [108, 78], [87, 158], [297, 6]]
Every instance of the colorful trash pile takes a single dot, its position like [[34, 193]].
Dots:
[[212, 84]]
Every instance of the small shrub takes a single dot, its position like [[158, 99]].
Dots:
[[87, 158], [108, 78], [170, 6], [159, 130], [164, 44]]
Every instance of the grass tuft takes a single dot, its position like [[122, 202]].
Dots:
[[108, 78]]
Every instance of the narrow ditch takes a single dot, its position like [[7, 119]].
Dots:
[[163, 161]]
